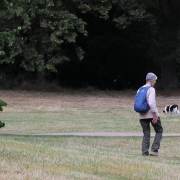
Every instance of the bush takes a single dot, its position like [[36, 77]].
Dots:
[[2, 103]]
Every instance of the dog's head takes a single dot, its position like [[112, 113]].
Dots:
[[166, 109]]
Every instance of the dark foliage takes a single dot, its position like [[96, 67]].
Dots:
[[104, 44], [2, 124], [113, 60]]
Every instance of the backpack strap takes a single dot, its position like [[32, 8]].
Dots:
[[145, 88]]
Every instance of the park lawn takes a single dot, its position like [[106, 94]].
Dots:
[[65, 112], [70, 157]]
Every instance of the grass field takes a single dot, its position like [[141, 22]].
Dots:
[[30, 157], [69, 157], [40, 112]]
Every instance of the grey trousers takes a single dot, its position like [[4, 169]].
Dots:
[[145, 123]]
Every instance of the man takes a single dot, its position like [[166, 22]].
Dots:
[[151, 116]]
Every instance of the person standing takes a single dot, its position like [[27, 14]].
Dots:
[[151, 116]]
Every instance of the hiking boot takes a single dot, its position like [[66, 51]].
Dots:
[[155, 154]]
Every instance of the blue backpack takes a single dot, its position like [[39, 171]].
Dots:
[[140, 102]]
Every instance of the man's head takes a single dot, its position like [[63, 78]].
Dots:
[[151, 78]]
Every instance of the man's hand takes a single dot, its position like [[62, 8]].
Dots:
[[155, 118]]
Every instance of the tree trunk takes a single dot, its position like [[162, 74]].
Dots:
[[41, 75], [169, 75]]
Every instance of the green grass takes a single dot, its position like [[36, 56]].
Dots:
[[66, 157], [87, 120], [38, 112], [69, 121]]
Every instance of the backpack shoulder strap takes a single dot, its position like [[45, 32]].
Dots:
[[140, 89], [147, 88]]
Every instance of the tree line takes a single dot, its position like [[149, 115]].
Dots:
[[108, 44]]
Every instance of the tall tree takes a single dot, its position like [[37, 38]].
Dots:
[[5, 35], [47, 28], [50, 29]]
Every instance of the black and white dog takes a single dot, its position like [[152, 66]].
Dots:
[[171, 109]]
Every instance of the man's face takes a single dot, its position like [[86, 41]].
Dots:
[[153, 82]]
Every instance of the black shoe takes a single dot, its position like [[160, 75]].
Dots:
[[145, 154]]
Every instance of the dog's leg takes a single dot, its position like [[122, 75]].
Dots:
[[176, 111], [166, 113]]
